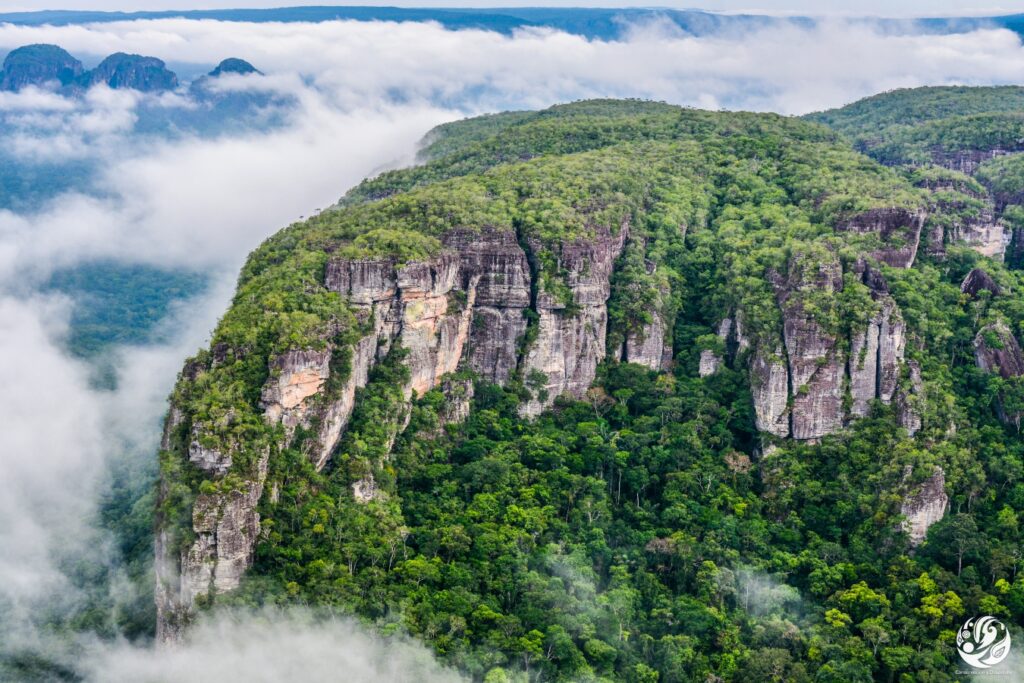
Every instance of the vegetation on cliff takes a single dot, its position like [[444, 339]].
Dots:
[[644, 530]]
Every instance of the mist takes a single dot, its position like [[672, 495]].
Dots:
[[357, 98]]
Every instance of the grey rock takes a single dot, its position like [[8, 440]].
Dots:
[[907, 399], [571, 343], [458, 398], [649, 345], [816, 367], [769, 378], [996, 350], [863, 367], [978, 280], [924, 505], [899, 231]]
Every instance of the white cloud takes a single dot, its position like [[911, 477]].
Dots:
[[787, 69], [270, 647]]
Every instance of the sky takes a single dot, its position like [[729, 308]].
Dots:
[[892, 8]]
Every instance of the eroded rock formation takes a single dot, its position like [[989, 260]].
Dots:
[[898, 231], [464, 308], [996, 350], [924, 505], [978, 280], [571, 333]]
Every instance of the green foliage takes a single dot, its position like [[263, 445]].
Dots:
[[120, 304], [629, 536]]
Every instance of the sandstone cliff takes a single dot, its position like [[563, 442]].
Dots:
[[924, 505], [466, 308]]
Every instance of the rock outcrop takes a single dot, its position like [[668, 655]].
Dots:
[[898, 231], [458, 398], [816, 365], [769, 379], [225, 527], [978, 280], [295, 377], [907, 400], [710, 361], [38, 65], [967, 161], [571, 333], [800, 386], [924, 505], [650, 345], [502, 299], [997, 350]]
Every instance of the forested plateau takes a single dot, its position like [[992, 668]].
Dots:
[[623, 391]]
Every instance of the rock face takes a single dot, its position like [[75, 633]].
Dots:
[[908, 413], [120, 70], [571, 334], [815, 363], [769, 379], [464, 308], [38, 65], [978, 280], [649, 346], [710, 361], [225, 527], [800, 387], [458, 398], [899, 231], [924, 506], [295, 377], [996, 350], [967, 161], [502, 299]]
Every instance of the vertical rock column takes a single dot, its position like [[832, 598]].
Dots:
[[571, 341], [816, 371], [502, 274]]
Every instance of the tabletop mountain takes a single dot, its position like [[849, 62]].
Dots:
[[625, 391]]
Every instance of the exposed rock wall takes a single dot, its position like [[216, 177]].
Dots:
[[967, 161], [815, 362], [978, 280], [996, 350], [571, 334], [907, 400], [649, 346], [769, 379], [800, 387], [899, 231], [924, 506], [498, 318], [464, 308], [710, 361]]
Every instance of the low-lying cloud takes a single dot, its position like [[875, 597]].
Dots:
[[358, 97], [272, 646], [789, 68]]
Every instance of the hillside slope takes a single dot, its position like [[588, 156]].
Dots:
[[622, 391]]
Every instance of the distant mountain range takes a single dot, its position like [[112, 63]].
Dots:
[[43, 65], [594, 23]]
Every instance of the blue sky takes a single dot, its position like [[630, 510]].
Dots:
[[815, 7]]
